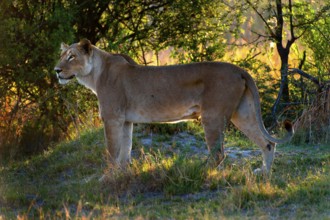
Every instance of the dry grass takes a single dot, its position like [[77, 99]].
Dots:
[[64, 184], [313, 126]]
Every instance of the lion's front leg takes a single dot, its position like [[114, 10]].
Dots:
[[126, 148], [113, 133], [118, 139], [213, 128]]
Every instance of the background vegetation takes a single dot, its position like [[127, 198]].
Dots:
[[35, 110], [284, 44], [267, 38]]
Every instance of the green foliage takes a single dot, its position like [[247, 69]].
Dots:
[[28, 88], [64, 182], [202, 41], [287, 26], [317, 41], [140, 27], [36, 111]]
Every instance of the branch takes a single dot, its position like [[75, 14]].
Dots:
[[321, 32], [245, 44], [261, 35], [302, 62], [262, 18], [300, 35], [306, 75], [280, 22], [291, 23]]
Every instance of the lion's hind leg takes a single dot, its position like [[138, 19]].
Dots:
[[244, 118]]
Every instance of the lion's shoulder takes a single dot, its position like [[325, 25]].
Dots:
[[126, 58]]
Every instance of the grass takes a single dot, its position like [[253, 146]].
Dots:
[[165, 181]]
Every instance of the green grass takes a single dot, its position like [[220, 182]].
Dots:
[[165, 181]]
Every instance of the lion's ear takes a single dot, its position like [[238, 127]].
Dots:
[[85, 45], [64, 46]]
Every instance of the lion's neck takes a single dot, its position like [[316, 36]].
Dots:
[[90, 80]]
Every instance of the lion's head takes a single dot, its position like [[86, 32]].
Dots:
[[76, 60]]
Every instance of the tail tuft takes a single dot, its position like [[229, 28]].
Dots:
[[288, 126]]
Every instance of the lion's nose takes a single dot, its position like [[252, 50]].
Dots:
[[58, 70]]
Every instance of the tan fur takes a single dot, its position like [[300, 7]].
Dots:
[[129, 93]]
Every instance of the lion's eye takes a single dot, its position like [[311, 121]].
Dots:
[[70, 57]]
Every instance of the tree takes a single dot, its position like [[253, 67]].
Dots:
[[87, 19], [36, 109], [32, 114], [138, 27], [284, 23]]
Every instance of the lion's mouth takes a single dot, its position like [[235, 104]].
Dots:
[[65, 78]]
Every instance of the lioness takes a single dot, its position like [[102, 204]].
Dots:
[[129, 93]]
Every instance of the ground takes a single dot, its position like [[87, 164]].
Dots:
[[169, 178]]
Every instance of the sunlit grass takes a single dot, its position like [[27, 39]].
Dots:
[[64, 183]]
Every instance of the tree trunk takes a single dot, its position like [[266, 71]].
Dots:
[[284, 55], [284, 86], [285, 82]]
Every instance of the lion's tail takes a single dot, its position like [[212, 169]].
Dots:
[[287, 124]]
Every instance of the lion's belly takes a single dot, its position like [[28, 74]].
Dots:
[[145, 115]]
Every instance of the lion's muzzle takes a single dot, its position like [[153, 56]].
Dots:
[[58, 74]]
